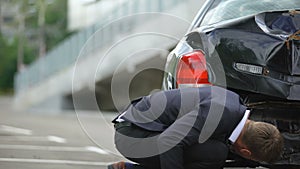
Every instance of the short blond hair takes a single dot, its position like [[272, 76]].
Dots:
[[263, 140]]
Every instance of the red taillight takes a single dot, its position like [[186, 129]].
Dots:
[[192, 70]]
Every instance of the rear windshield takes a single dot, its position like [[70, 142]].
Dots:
[[222, 10]]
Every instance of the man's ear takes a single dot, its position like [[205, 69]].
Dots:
[[245, 153]]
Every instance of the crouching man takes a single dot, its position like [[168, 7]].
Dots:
[[191, 128]]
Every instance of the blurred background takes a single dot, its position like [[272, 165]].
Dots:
[[52, 50], [28, 30], [61, 61]]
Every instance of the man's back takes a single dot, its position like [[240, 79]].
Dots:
[[158, 111]]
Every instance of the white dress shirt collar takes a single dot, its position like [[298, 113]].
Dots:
[[237, 131], [119, 118]]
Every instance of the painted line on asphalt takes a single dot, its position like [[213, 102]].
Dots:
[[56, 139], [96, 150], [24, 138], [54, 148], [48, 161], [15, 130], [33, 139]]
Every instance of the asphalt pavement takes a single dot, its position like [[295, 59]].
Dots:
[[60, 140], [34, 140]]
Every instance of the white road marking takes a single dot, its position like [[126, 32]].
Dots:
[[24, 138], [56, 139], [43, 148], [29, 138], [15, 130], [96, 150], [47, 161], [54, 148]]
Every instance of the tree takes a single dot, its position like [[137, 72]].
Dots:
[[41, 26], [7, 65], [21, 16]]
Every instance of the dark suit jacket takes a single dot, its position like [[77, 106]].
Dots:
[[186, 117]]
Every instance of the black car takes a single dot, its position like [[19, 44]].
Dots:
[[253, 48]]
